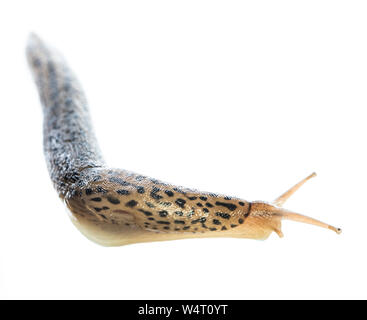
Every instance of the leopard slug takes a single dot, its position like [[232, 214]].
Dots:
[[117, 207]]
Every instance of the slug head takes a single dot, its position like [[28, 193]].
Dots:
[[263, 219]]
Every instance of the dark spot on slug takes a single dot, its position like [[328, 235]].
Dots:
[[179, 222], [212, 229], [101, 190], [113, 200], [165, 204], [103, 216], [163, 222], [203, 198], [36, 62], [131, 203], [248, 210], [179, 213], [66, 87], [180, 202], [150, 205], [163, 213], [119, 181], [179, 190], [224, 228], [229, 206], [88, 192], [209, 205], [97, 178], [223, 215], [169, 193], [150, 218], [241, 203], [105, 208], [215, 221], [227, 198], [123, 192], [240, 221], [206, 210], [140, 189], [166, 228], [202, 220], [185, 228], [98, 209], [147, 213], [97, 199], [199, 204], [192, 198], [233, 225], [154, 194]]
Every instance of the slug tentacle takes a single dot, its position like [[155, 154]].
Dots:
[[117, 207], [286, 195], [301, 218], [285, 214]]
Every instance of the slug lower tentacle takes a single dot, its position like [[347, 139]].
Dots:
[[117, 207]]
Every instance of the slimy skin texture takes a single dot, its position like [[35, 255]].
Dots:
[[117, 207]]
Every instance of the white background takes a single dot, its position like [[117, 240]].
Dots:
[[238, 97]]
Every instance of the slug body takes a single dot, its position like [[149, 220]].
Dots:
[[117, 207]]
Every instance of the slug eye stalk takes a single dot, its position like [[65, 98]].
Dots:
[[286, 195], [285, 214]]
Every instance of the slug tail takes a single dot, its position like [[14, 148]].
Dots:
[[69, 142]]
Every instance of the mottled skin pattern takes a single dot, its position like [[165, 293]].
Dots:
[[131, 201], [69, 142], [116, 207]]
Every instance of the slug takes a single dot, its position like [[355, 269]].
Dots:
[[117, 207]]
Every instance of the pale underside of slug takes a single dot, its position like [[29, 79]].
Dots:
[[117, 207]]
